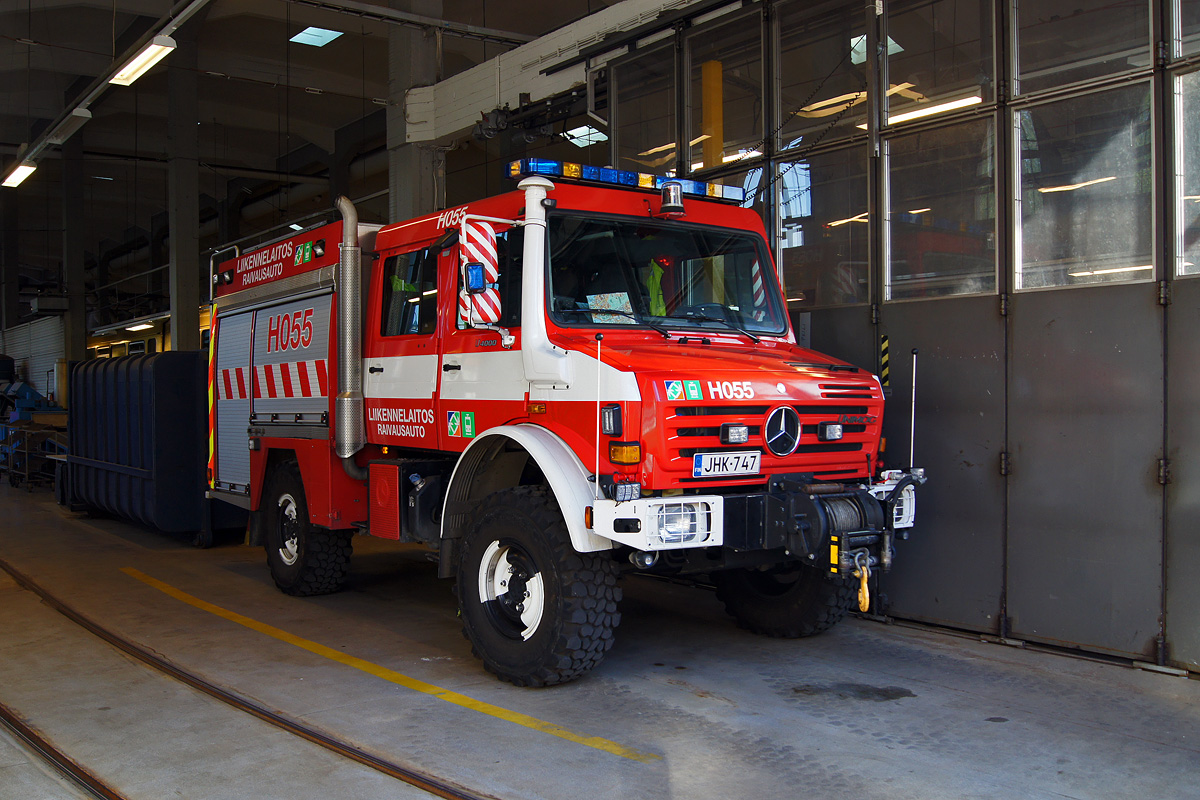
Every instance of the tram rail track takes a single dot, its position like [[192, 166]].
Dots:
[[436, 786], [70, 769]]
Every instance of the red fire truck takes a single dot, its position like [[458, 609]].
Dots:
[[594, 372]]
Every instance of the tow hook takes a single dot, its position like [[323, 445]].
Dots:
[[862, 571]]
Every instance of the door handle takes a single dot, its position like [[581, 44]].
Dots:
[[450, 367], [373, 370]]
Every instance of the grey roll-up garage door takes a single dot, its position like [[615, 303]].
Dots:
[[35, 346]]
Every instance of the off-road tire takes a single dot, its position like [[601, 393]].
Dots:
[[518, 535], [788, 604], [305, 560]]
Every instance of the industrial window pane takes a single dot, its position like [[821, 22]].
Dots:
[[823, 73], [644, 100], [726, 98], [1084, 190], [939, 56], [823, 228], [1187, 250], [1189, 27], [1064, 41], [942, 212]]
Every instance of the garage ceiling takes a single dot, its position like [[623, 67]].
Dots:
[[269, 111]]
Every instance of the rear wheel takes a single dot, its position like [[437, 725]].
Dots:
[[535, 611], [304, 560], [785, 602]]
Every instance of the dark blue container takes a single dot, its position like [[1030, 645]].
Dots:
[[138, 433]]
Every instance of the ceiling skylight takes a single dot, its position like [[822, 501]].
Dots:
[[317, 37], [585, 135]]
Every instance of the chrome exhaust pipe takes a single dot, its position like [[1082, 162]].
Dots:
[[350, 433]]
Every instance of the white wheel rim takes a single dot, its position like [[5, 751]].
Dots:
[[517, 598], [289, 530]]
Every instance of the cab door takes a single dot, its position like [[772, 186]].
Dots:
[[401, 359], [483, 380]]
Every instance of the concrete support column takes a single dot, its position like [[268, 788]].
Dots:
[[73, 252], [183, 168], [10, 253], [412, 170]]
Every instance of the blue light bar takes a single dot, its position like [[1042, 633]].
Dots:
[[524, 167]]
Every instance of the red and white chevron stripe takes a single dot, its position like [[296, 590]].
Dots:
[[291, 379], [234, 384], [760, 291], [480, 246]]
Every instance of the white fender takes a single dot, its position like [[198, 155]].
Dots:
[[566, 474]]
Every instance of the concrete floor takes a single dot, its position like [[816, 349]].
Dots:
[[685, 706]]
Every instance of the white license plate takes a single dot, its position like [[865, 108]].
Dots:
[[715, 465]]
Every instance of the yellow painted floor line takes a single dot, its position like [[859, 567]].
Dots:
[[392, 676]]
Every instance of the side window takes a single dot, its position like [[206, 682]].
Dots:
[[410, 293], [509, 249]]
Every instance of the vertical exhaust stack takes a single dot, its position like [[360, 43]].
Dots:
[[350, 434]]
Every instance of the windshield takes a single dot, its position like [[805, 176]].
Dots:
[[630, 272]]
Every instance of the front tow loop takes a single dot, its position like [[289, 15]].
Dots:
[[862, 571]]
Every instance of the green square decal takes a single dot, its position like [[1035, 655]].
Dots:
[[307, 252], [692, 390], [452, 423], [674, 390], [468, 424]]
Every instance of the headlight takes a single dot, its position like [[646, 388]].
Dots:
[[676, 523]]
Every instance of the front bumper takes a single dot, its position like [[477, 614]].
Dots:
[[831, 524]]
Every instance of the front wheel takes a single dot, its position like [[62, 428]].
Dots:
[[304, 560], [535, 611], [784, 602]]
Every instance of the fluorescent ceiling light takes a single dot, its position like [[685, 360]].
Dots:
[[920, 210], [585, 135], [1073, 186], [296, 227], [699, 165], [1110, 271], [836, 105], [858, 48], [929, 111], [140, 64], [856, 218], [316, 37], [144, 326], [663, 147], [67, 128], [19, 173]]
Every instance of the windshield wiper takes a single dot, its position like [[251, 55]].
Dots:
[[700, 316], [666, 334]]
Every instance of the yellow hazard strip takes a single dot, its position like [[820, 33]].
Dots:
[[392, 676]]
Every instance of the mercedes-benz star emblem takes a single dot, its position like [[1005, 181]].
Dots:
[[783, 431]]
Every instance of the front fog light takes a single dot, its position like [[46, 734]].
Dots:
[[624, 492], [676, 523], [829, 431]]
